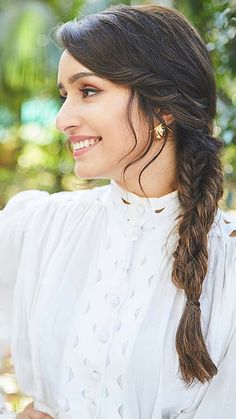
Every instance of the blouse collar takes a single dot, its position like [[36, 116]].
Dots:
[[142, 210]]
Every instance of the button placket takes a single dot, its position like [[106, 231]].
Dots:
[[134, 222], [108, 323], [115, 298]]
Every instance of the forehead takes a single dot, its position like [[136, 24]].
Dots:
[[69, 67], [67, 63]]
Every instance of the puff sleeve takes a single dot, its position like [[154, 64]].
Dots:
[[13, 224]]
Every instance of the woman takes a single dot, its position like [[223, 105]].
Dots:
[[124, 295]]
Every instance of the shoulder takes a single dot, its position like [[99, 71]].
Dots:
[[39, 199], [34, 208], [79, 197], [23, 199], [224, 226], [223, 236], [228, 230], [219, 287], [222, 248]]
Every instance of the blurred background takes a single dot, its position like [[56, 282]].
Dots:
[[33, 154]]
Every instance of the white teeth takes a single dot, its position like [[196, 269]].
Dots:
[[84, 144]]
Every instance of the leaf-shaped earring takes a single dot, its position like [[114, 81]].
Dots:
[[160, 131]]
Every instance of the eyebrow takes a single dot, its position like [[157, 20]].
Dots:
[[75, 77]]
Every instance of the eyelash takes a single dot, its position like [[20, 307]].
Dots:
[[85, 89]]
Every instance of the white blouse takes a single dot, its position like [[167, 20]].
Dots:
[[86, 291]]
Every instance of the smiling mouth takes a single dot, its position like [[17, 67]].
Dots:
[[86, 145]]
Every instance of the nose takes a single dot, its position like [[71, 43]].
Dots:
[[67, 117]]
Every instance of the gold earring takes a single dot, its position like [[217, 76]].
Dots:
[[160, 131]]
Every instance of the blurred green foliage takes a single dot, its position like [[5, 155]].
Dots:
[[32, 153], [216, 21]]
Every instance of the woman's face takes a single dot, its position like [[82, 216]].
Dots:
[[99, 111]]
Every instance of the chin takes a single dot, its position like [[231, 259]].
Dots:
[[86, 173]]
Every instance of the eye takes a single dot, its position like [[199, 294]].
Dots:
[[62, 98], [85, 91]]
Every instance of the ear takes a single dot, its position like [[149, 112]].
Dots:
[[167, 117]]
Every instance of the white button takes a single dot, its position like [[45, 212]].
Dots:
[[91, 406], [126, 265], [67, 406], [86, 394], [117, 325], [102, 336], [135, 229], [122, 264], [133, 232], [95, 376], [113, 300], [141, 209]]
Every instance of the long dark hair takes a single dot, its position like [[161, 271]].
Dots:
[[157, 53]]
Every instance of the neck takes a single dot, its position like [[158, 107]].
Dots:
[[158, 179], [151, 190]]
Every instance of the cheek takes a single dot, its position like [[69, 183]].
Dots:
[[118, 140], [128, 139], [113, 126]]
